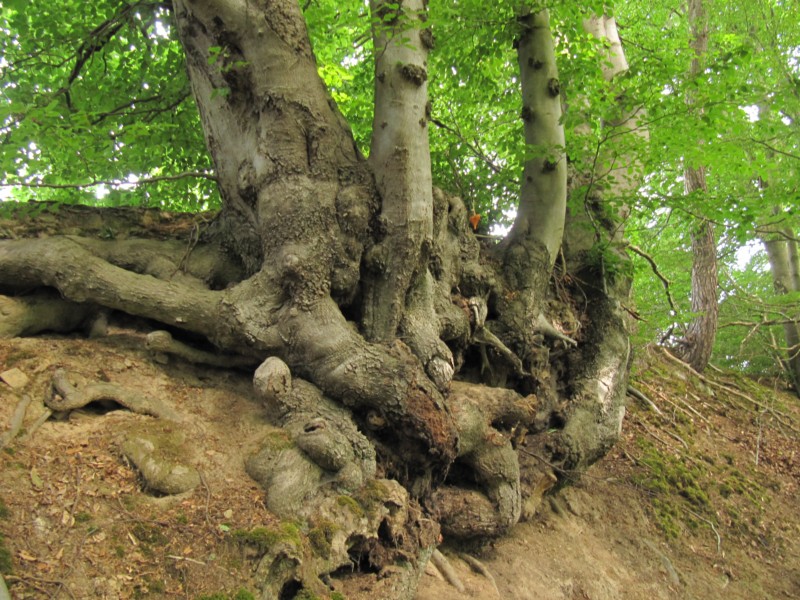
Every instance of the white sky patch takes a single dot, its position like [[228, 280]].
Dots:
[[161, 30], [751, 111], [133, 179], [745, 253]]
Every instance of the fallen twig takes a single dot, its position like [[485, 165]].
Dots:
[[660, 439], [40, 420], [187, 559], [713, 528]]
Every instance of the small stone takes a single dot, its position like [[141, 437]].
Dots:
[[15, 378]]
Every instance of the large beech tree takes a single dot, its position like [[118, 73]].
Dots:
[[441, 381]]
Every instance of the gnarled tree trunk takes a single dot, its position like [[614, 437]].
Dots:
[[365, 294]]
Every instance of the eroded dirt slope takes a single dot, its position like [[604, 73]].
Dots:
[[699, 501]]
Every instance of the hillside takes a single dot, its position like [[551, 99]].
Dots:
[[698, 500]]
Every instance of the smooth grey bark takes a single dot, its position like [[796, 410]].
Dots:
[[399, 293], [543, 195], [400, 159], [782, 253]]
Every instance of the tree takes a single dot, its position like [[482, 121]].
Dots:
[[696, 346], [393, 346], [741, 104]]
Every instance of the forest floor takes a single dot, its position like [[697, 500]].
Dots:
[[698, 500]]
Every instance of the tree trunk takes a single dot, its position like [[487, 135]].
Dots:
[[782, 253], [698, 343], [543, 197]]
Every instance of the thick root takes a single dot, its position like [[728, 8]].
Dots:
[[318, 467], [162, 343], [159, 456], [488, 502]]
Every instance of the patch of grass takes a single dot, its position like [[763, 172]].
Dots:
[[6, 564], [4, 512], [149, 534], [671, 479], [83, 517], [667, 474]]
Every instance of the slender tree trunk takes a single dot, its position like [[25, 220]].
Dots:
[[543, 196], [698, 343], [399, 295]]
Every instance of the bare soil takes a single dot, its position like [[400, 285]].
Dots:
[[699, 501]]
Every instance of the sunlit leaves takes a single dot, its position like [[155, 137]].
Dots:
[[100, 91]]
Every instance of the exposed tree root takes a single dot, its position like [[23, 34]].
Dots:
[[480, 568], [42, 311], [253, 318], [446, 569], [67, 397], [493, 468], [352, 418], [632, 391], [158, 456], [319, 467], [162, 342]]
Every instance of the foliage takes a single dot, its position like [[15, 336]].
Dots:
[[98, 92], [742, 128]]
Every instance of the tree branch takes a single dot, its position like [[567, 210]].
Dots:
[[113, 182], [774, 149], [476, 151], [656, 272]]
